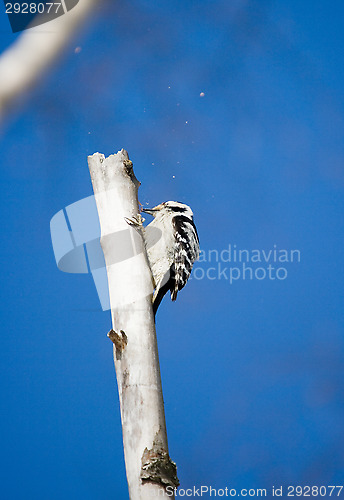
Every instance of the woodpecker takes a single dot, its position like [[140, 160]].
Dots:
[[172, 247]]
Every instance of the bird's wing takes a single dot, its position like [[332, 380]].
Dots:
[[186, 252]]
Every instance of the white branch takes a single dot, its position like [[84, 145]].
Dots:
[[148, 465], [23, 63]]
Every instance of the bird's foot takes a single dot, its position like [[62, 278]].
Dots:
[[136, 221]]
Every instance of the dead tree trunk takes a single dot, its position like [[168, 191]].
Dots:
[[148, 465]]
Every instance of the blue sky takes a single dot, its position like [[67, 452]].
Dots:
[[252, 371]]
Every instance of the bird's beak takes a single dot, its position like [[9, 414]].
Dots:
[[152, 211]]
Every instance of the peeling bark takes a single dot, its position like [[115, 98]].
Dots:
[[157, 466]]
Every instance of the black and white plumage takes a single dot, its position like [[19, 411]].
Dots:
[[172, 246]]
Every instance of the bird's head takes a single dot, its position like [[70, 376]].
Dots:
[[169, 208]]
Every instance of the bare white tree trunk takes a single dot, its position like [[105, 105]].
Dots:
[[148, 465]]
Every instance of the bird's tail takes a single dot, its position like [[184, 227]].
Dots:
[[160, 295]]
